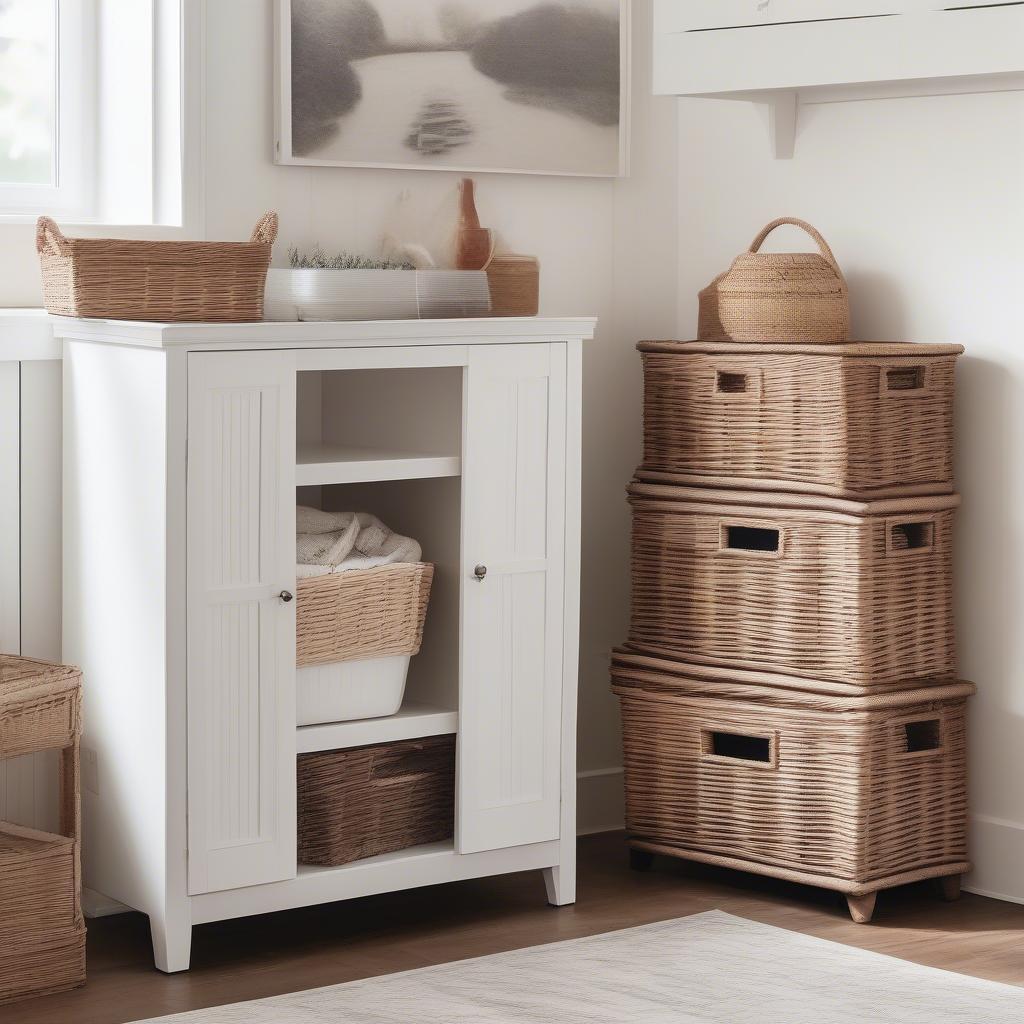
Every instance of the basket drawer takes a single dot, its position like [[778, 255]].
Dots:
[[859, 421], [38, 889], [363, 613], [859, 594], [840, 788], [372, 800]]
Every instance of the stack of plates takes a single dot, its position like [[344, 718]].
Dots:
[[375, 294]]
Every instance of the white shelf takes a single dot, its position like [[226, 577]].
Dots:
[[412, 722], [319, 464]]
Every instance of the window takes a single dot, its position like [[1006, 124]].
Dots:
[[94, 99], [44, 99]]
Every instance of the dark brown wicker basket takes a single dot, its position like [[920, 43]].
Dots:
[[857, 594], [372, 800], [854, 794], [858, 421]]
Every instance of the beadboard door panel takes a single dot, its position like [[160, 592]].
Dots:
[[241, 632], [512, 597]]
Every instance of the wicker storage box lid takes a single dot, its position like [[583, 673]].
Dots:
[[166, 281], [778, 297], [813, 588], [852, 793], [861, 420]]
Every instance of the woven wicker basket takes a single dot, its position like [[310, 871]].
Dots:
[[128, 279], [855, 794], [857, 421], [367, 801], [856, 594], [779, 297], [40, 705], [363, 613], [514, 282], [42, 934]]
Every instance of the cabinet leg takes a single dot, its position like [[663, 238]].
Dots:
[[172, 944], [949, 887], [640, 860], [560, 883], [862, 907]]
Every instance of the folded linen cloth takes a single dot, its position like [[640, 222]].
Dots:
[[329, 542]]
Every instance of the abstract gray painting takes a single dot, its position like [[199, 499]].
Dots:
[[473, 85]]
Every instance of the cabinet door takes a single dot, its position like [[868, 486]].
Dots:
[[514, 527], [241, 634]]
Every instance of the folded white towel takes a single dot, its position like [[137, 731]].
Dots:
[[329, 542]]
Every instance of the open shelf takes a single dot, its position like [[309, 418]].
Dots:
[[413, 721], [320, 464]]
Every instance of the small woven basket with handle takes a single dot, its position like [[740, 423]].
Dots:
[[778, 297], [165, 281]]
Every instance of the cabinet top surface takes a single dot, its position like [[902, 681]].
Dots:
[[354, 334]]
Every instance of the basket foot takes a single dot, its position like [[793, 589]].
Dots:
[[949, 887], [640, 860], [862, 907]]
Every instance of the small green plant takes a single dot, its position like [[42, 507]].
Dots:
[[318, 259]]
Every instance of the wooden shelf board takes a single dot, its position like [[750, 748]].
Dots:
[[319, 464], [411, 722]]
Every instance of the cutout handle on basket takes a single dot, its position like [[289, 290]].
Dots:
[[910, 536], [823, 246], [746, 538], [730, 383], [920, 736], [742, 748], [50, 238], [904, 381], [408, 766], [265, 232]]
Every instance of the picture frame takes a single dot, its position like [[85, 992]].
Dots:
[[285, 149]]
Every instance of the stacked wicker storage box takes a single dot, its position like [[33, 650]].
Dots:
[[789, 691], [42, 934]]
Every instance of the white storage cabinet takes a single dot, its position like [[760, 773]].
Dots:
[[186, 449]]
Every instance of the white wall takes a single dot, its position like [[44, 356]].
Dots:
[[923, 204], [606, 248]]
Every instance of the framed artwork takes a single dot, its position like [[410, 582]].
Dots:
[[522, 86]]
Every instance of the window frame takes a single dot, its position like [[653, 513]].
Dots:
[[73, 192]]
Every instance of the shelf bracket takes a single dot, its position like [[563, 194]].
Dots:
[[780, 112]]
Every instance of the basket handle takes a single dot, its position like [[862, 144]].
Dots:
[[823, 246], [49, 237], [265, 232]]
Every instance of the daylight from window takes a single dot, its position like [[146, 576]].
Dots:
[[28, 30]]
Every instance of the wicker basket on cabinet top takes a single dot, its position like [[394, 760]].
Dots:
[[853, 793], [861, 420], [855, 594], [166, 281]]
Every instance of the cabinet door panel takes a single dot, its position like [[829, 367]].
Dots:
[[513, 523], [241, 635]]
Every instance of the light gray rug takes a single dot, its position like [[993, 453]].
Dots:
[[708, 969]]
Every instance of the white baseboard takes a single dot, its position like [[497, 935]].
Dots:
[[997, 851], [95, 904], [600, 802]]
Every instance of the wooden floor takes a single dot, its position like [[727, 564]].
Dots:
[[300, 949]]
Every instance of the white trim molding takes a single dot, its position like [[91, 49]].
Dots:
[[998, 848], [600, 800]]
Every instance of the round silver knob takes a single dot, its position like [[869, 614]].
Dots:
[[480, 572], [286, 596]]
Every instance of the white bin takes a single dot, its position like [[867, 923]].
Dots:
[[348, 690]]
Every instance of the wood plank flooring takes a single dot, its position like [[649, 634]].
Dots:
[[300, 949]]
